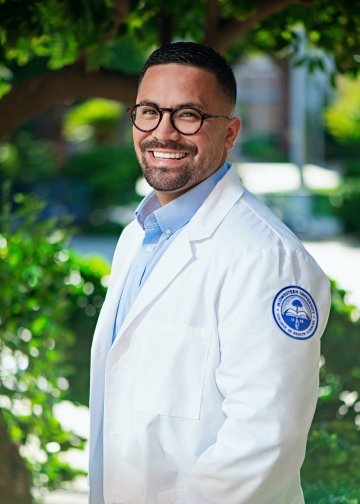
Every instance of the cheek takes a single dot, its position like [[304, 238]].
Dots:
[[136, 134], [213, 144], [138, 137]]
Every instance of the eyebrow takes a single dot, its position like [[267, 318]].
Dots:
[[146, 102], [187, 104]]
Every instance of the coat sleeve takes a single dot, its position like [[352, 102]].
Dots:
[[268, 381]]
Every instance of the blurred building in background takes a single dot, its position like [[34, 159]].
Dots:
[[280, 106]]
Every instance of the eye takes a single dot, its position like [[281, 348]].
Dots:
[[147, 111], [188, 114]]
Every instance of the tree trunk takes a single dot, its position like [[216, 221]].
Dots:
[[15, 482]]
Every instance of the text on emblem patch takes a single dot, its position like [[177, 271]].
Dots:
[[295, 312]]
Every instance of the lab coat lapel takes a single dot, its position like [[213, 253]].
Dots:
[[103, 336], [120, 268], [174, 260]]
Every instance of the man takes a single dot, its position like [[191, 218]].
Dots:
[[206, 354]]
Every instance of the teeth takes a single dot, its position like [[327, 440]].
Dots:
[[168, 155]]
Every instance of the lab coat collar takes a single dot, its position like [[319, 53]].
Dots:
[[215, 208]]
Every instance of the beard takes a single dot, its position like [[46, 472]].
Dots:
[[159, 178], [163, 179]]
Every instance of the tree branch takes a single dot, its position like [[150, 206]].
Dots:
[[229, 30], [52, 88]]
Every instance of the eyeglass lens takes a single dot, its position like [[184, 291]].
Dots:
[[185, 120]]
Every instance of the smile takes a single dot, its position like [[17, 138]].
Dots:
[[168, 155]]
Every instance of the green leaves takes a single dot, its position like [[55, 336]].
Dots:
[[56, 29], [342, 116], [39, 312], [98, 117], [63, 31], [331, 472]]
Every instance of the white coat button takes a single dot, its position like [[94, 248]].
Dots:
[[148, 248], [168, 232]]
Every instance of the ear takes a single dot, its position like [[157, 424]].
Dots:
[[233, 130]]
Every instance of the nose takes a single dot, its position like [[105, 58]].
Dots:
[[165, 128]]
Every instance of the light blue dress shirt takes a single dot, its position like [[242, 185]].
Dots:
[[161, 224]]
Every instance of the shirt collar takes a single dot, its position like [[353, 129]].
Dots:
[[178, 212]]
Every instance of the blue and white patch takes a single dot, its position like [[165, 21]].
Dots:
[[295, 312]]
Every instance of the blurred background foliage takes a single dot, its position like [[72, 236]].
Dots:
[[342, 116], [83, 59], [86, 171], [94, 119], [67, 72], [50, 301], [99, 132], [342, 120], [331, 473]]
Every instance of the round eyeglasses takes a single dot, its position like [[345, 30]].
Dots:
[[185, 120]]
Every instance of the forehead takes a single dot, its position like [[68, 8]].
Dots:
[[173, 84]]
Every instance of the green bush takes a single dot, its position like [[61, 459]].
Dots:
[[87, 294], [96, 118], [342, 116], [110, 171], [26, 159], [348, 204], [49, 302], [342, 119], [331, 473], [263, 149], [352, 164]]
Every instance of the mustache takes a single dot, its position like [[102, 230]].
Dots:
[[169, 144]]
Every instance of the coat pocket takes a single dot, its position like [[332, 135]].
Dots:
[[170, 370]]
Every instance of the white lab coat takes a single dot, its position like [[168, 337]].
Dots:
[[206, 400]]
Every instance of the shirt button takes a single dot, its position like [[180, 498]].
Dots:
[[168, 232]]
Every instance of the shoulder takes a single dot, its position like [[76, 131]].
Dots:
[[250, 227], [239, 220], [250, 234]]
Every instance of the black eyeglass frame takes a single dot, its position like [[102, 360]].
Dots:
[[204, 116]]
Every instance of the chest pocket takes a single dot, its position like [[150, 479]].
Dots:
[[170, 370]]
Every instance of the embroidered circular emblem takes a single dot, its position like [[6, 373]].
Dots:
[[295, 312]]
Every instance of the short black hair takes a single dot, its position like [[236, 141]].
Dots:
[[197, 55]]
